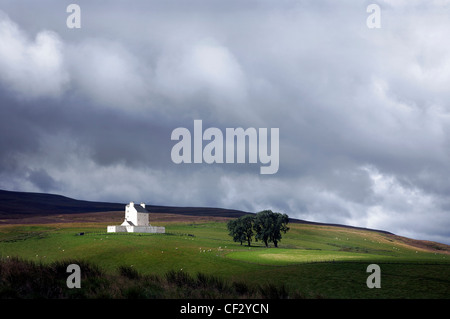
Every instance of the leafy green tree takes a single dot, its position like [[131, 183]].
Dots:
[[269, 226], [280, 226], [236, 230], [241, 229], [263, 226], [247, 226]]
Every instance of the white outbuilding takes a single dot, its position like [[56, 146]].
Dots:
[[136, 221]]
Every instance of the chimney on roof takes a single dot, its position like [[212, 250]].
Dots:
[[131, 204], [143, 205]]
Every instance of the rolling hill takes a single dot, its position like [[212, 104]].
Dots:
[[15, 206], [314, 260]]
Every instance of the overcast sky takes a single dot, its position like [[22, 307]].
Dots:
[[363, 113]]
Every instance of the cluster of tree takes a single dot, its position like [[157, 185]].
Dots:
[[266, 226]]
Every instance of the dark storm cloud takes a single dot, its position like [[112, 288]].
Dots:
[[362, 113], [42, 180]]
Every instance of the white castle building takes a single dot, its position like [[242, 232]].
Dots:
[[136, 221]]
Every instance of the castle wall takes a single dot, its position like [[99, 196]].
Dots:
[[139, 220], [142, 219], [136, 229]]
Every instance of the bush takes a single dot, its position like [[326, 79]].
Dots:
[[180, 278], [211, 281], [272, 291], [26, 279], [128, 272]]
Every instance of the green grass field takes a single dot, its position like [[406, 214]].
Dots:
[[311, 261]]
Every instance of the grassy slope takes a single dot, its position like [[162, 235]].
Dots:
[[343, 255]]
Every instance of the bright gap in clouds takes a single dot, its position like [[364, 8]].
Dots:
[[31, 67]]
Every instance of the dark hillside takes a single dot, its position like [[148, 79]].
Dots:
[[17, 205], [22, 204]]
